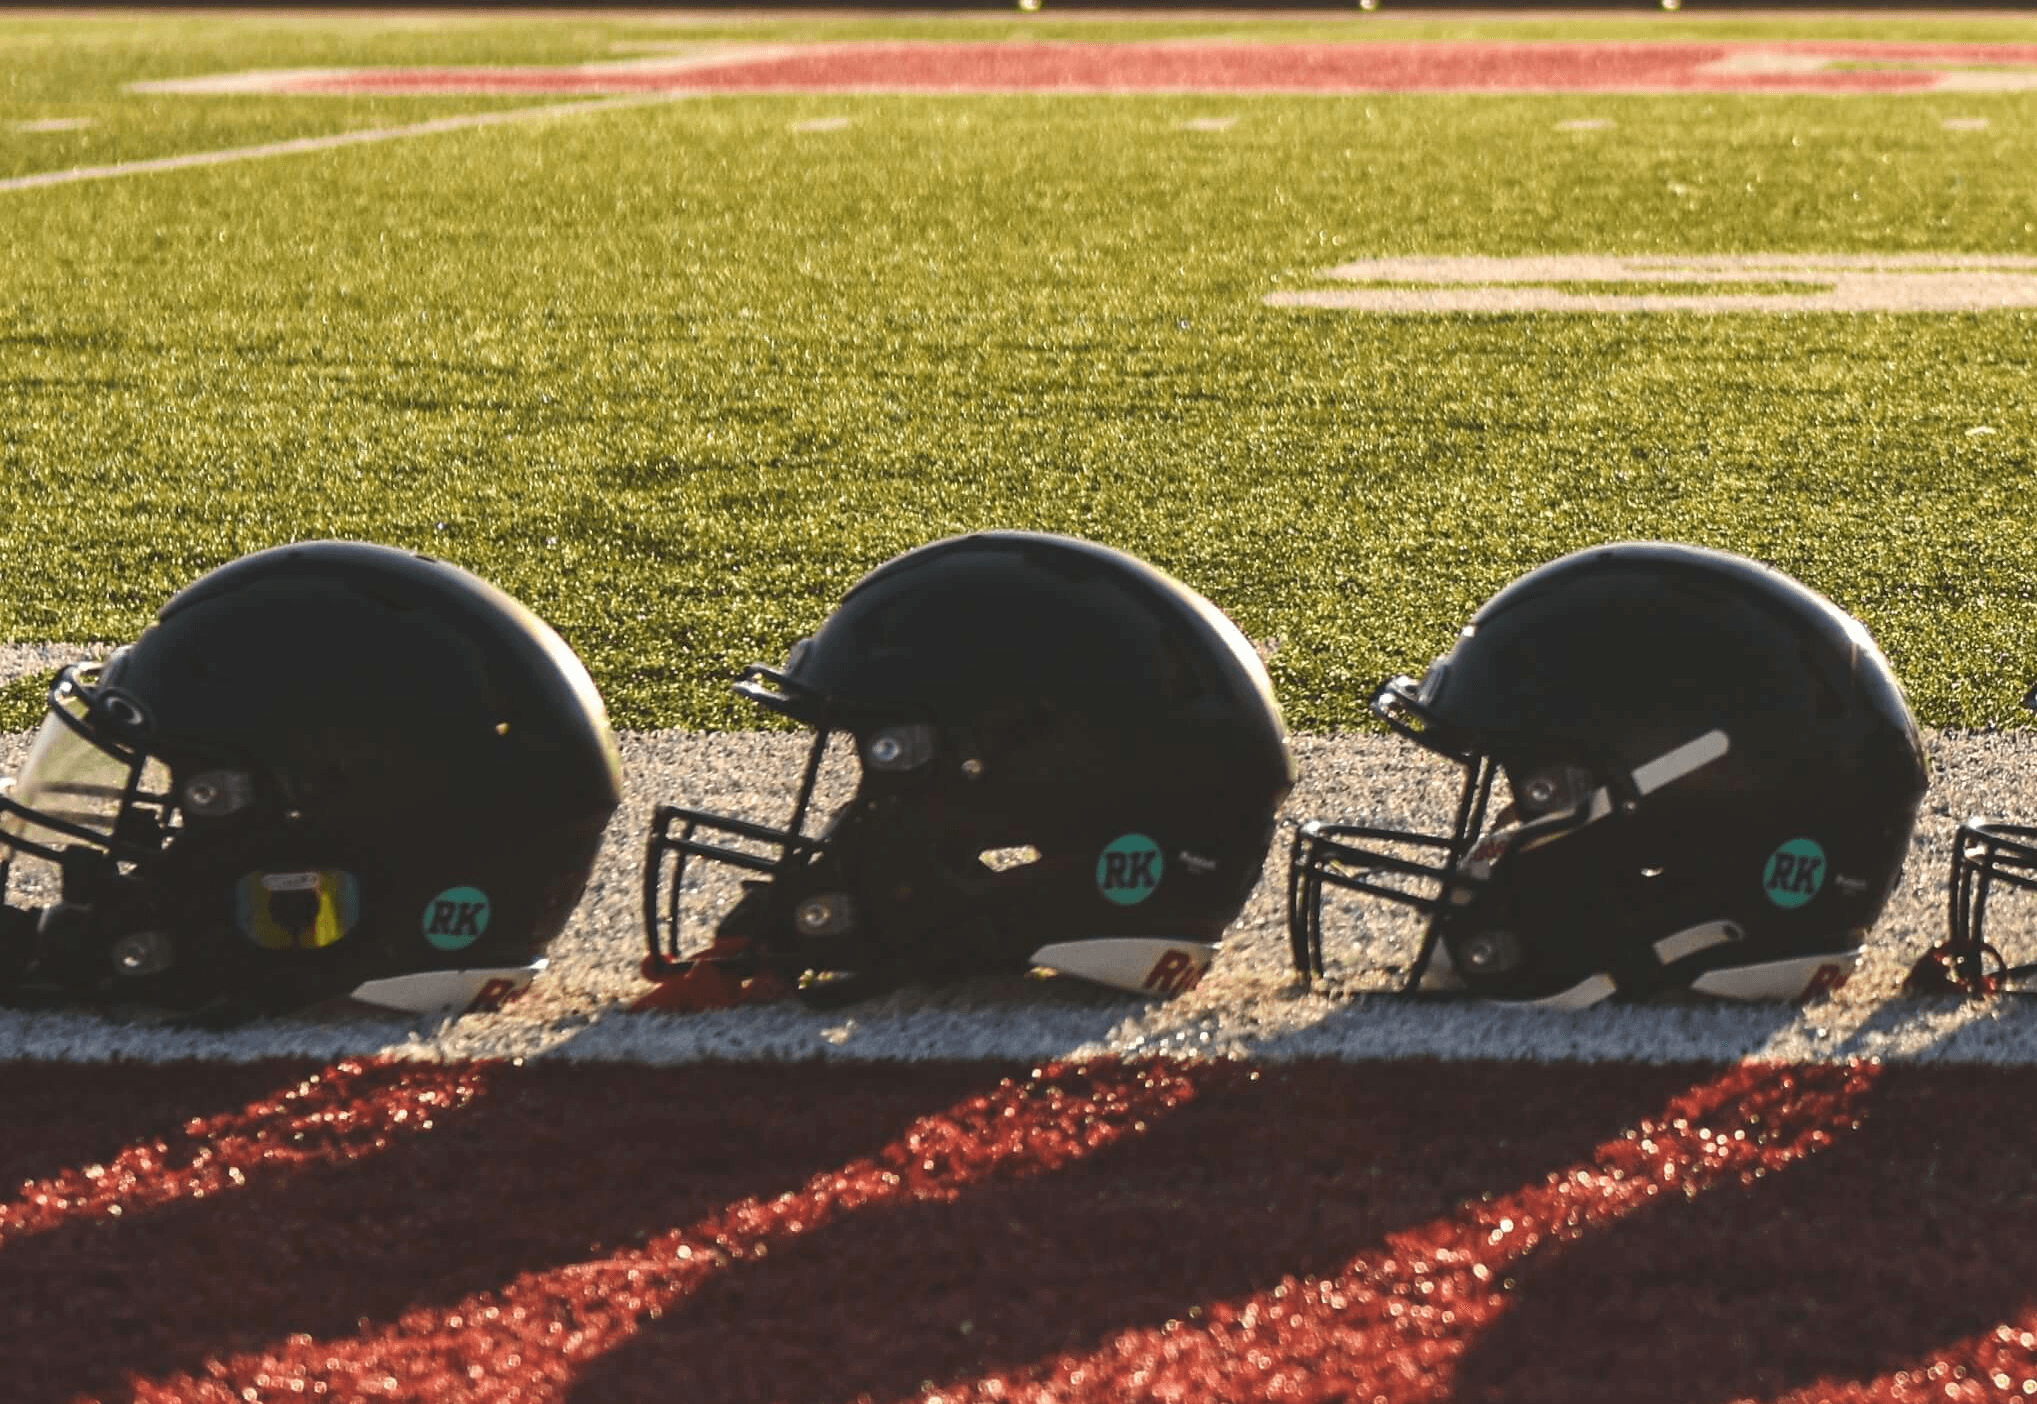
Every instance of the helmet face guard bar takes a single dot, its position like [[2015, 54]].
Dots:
[[1347, 856], [1332, 854], [1983, 854], [665, 861], [1399, 703], [69, 740], [784, 694]]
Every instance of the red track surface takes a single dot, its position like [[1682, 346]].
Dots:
[[1222, 67], [1167, 1231]]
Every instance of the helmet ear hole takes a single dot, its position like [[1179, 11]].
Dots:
[[899, 748], [119, 713], [214, 794]]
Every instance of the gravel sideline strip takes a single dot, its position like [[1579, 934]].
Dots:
[[1248, 1006]]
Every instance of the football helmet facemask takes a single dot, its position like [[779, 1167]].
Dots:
[[1067, 759], [1986, 853], [325, 769], [1713, 782]]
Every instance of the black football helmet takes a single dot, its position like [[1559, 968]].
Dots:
[[1986, 853], [1067, 759], [1713, 779], [325, 769]]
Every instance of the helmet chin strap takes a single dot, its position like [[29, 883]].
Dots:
[[17, 943]]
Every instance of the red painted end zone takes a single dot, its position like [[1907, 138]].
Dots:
[[1823, 67], [1096, 1232]]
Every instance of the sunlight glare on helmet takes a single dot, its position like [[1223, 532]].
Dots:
[[1003, 860]]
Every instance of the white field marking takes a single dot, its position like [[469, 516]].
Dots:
[[333, 81], [300, 145], [1584, 124], [1246, 1006], [1986, 80], [1964, 124], [1374, 1028], [21, 660], [54, 124], [254, 80], [1771, 63], [821, 124], [1915, 282], [653, 46], [1209, 124], [1766, 63]]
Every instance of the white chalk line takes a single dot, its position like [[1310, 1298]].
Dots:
[[1889, 282], [324, 82], [300, 145], [22, 660]]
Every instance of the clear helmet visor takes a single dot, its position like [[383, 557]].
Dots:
[[71, 787]]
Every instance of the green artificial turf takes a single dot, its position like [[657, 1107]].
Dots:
[[678, 374]]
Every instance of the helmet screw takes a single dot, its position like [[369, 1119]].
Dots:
[[1540, 790], [143, 953], [1489, 952], [814, 915], [886, 749]]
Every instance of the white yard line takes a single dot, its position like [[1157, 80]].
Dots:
[[1853, 282], [330, 82], [299, 145], [20, 660]]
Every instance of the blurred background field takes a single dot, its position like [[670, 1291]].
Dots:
[[678, 373]]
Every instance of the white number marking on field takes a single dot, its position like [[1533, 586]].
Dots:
[[1912, 282]]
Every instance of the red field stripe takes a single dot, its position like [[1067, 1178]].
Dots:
[[1203, 1231], [1223, 67], [331, 1117]]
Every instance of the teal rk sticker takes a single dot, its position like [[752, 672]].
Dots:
[[1129, 869], [1796, 872], [456, 918]]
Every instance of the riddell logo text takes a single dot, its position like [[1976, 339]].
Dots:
[[1827, 978], [1174, 973], [493, 995]]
